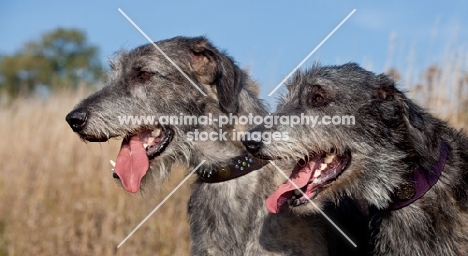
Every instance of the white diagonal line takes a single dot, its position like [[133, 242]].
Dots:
[[159, 205], [312, 52], [310, 201], [159, 49]]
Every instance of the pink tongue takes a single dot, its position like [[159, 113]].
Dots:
[[132, 163], [300, 176]]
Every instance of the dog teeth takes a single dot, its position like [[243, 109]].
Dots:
[[297, 192], [329, 158], [151, 139], [317, 173], [145, 145], [297, 202], [156, 132], [323, 166]]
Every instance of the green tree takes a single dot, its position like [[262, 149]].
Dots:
[[59, 59]]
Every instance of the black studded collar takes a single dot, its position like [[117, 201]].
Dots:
[[239, 166]]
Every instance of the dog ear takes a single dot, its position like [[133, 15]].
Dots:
[[387, 105], [410, 123], [215, 68], [423, 134], [394, 106]]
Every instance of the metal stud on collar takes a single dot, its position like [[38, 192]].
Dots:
[[406, 191], [239, 166], [224, 171]]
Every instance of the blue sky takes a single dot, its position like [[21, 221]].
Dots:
[[270, 38]]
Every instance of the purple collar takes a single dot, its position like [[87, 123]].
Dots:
[[419, 182]]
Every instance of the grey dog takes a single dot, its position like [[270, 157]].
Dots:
[[227, 216], [408, 166]]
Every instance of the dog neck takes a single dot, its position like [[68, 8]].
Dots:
[[419, 182], [239, 166]]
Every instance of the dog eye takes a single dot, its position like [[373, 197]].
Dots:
[[317, 100], [144, 75]]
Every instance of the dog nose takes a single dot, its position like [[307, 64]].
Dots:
[[77, 119], [253, 145]]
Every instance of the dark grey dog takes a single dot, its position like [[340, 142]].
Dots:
[[226, 218], [410, 167]]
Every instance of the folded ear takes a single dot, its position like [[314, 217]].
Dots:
[[386, 104], [215, 68], [395, 107], [407, 120]]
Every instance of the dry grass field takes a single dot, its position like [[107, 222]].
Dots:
[[57, 195]]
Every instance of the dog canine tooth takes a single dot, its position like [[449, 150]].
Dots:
[[156, 132], [112, 163], [329, 158], [323, 166], [150, 139], [317, 173]]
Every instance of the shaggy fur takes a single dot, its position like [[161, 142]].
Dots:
[[391, 138], [227, 218]]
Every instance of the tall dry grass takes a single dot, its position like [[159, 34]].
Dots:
[[441, 87], [443, 91], [57, 195]]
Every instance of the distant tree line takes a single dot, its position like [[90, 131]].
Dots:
[[62, 58]]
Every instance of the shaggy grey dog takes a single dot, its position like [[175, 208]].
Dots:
[[226, 218], [408, 166]]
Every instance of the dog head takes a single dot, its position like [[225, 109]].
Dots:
[[361, 138], [149, 90]]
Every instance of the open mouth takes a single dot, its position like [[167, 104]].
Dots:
[[135, 154], [311, 177]]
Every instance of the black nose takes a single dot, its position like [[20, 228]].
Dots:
[[77, 119], [253, 145]]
